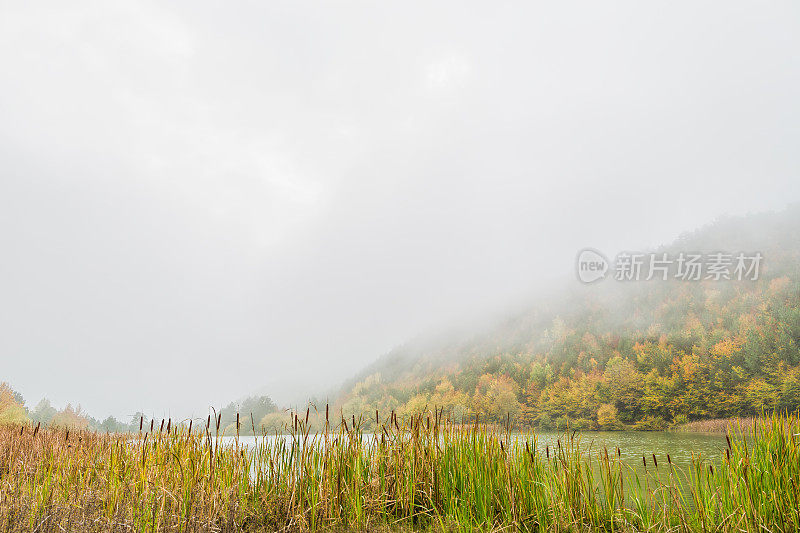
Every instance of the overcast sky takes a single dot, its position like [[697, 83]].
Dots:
[[203, 200]]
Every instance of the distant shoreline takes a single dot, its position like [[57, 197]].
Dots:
[[715, 426]]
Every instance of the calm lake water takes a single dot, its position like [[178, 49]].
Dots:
[[635, 444], [632, 444]]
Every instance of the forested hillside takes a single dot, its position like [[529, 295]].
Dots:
[[642, 354]]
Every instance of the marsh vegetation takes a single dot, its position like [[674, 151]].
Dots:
[[424, 472]]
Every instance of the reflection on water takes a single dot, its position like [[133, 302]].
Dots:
[[633, 445]]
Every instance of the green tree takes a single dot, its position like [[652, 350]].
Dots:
[[43, 412]]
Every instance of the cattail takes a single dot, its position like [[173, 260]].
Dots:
[[711, 469], [619, 453], [161, 429], [152, 421], [219, 421], [169, 425], [190, 427], [326, 413], [141, 423], [728, 453], [354, 421], [669, 459], [237, 424], [729, 441], [654, 460], [208, 423], [376, 418], [35, 431], [66, 437], [308, 411], [21, 430], [644, 462], [547, 451]]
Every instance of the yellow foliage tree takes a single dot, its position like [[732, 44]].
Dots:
[[71, 417], [12, 412]]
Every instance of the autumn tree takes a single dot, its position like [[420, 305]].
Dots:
[[12, 409]]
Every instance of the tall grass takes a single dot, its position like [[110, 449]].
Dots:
[[716, 425], [421, 473]]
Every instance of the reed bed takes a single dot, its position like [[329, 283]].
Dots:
[[425, 473], [719, 426]]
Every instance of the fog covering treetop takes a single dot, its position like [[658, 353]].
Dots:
[[645, 354]]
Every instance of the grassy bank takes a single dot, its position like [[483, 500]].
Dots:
[[718, 426], [422, 474]]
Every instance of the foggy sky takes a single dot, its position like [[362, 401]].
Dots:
[[203, 200]]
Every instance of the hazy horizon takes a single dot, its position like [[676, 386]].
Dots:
[[199, 203]]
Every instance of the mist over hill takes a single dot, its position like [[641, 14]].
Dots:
[[606, 355], [615, 354]]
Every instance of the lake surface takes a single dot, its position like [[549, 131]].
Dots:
[[635, 444], [632, 444]]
